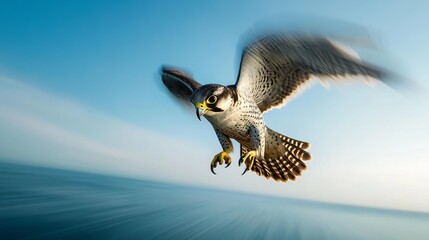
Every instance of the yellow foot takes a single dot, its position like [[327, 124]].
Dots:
[[248, 159], [220, 158]]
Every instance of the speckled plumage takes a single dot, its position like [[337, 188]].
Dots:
[[273, 68]]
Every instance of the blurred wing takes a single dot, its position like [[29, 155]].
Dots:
[[180, 84], [276, 67]]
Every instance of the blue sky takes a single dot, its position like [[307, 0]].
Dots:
[[78, 75]]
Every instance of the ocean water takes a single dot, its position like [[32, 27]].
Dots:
[[44, 203]]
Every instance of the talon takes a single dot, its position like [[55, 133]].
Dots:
[[248, 159], [211, 168], [227, 161], [220, 158]]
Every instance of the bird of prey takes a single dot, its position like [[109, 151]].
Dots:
[[273, 68]]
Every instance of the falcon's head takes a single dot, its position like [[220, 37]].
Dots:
[[212, 99]]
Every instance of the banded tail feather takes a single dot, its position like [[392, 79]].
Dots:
[[294, 142], [284, 157]]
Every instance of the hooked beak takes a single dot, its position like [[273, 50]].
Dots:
[[201, 109]]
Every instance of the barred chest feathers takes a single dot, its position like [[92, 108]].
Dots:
[[235, 122]]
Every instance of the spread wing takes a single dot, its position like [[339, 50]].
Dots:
[[180, 84], [275, 67]]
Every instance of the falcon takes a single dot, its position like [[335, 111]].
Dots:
[[273, 69]]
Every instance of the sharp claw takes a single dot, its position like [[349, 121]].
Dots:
[[245, 170], [240, 162], [227, 165], [211, 168]]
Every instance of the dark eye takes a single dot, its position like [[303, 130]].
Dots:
[[212, 99]]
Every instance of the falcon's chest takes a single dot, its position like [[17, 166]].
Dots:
[[237, 120]]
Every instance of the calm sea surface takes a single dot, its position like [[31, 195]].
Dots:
[[43, 203]]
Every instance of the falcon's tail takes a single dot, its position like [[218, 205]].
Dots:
[[283, 158]]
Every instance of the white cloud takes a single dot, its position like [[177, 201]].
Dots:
[[41, 128]]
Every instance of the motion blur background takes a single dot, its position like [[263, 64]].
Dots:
[[80, 90]]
